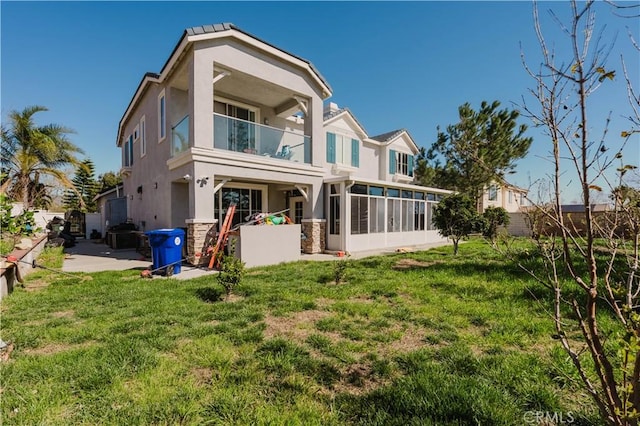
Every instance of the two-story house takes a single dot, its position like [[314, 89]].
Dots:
[[231, 118], [509, 197]]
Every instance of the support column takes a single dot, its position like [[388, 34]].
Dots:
[[200, 235], [315, 233]]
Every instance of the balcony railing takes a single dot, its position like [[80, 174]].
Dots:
[[237, 135], [180, 137]]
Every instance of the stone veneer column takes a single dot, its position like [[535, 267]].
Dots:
[[315, 231], [199, 236]]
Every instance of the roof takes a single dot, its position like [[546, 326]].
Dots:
[[328, 115], [179, 47], [386, 183], [579, 208], [116, 188], [226, 26], [386, 137]]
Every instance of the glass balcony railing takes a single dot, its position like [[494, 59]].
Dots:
[[232, 134], [180, 137]]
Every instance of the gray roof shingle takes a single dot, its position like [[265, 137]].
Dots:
[[330, 114], [386, 137]]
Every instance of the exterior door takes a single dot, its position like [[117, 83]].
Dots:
[[296, 209]]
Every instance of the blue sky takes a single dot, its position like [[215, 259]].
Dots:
[[394, 64]]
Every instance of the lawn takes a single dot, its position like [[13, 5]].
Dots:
[[412, 338]]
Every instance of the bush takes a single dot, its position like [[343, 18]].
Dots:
[[23, 224], [493, 218], [231, 271], [340, 270], [455, 217]]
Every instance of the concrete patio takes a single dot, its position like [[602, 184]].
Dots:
[[95, 256]]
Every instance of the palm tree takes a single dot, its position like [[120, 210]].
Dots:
[[30, 152]]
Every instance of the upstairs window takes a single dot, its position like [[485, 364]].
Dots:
[[493, 192], [343, 150], [143, 136], [162, 117], [400, 163], [128, 152]]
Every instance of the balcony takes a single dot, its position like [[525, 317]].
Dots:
[[180, 137], [243, 136]]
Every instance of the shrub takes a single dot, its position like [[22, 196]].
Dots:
[[340, 270], [231, 271], [493, 218], [455, 217]]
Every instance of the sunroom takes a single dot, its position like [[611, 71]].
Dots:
[[371, 214]]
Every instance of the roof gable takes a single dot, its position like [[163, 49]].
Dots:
[[204, 32], [346, 116], [397, 138]]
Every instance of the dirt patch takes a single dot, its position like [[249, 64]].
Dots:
[[404, 264], [203, 376], [357, 380], [5, 353], [232, 298], [410, 340], [361, 299], [63, 314], [36, 285], [300, 325], [55, 348]]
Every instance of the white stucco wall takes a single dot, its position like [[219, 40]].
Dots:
[[268, 245]]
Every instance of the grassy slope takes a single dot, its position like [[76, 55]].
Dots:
[[417, 338]]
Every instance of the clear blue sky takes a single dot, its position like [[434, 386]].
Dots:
[[394, 64]]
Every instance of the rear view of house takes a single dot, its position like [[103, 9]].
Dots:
[[233, 119]]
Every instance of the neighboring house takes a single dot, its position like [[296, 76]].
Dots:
[[509, 197], [231, 118]]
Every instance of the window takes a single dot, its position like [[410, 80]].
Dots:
[[392, 192], [143, 137], [136, 133], [298, 212], [407, 216], [162, 117], [248, 201], [394, 214], [334, 209], [523, 200], [238, 133], [359, 189], [128, 152], [419, 215], [430, 225], [400, 163], [376, 215], [343, 150], [376, 191], [493, 192], [359, 214]]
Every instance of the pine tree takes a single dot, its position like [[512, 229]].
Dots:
[[85, 188], [481, 148]]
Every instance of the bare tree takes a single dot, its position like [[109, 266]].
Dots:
[[601, 259]]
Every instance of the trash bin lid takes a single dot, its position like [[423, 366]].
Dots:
[[166, 231]]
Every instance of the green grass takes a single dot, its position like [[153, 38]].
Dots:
[[415, 338]]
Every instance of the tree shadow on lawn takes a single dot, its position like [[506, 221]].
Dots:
[[209, 294]]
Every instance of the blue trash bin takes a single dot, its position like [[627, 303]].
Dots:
[[166, 249]]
